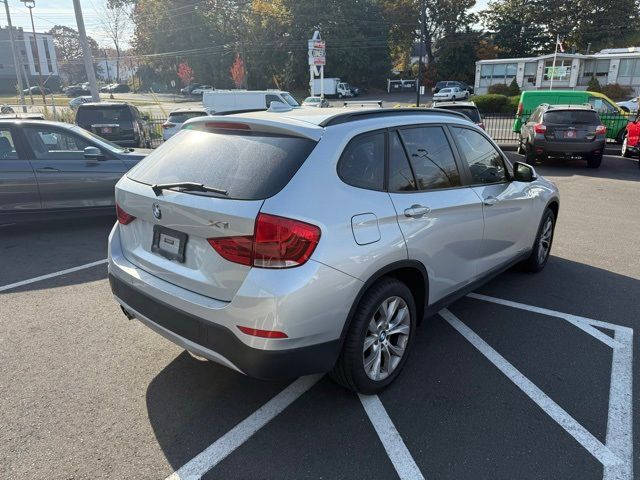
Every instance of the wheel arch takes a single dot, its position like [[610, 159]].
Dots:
[[554, 206], [411, 272]]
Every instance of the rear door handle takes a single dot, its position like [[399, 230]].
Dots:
[[416, 211], [489, 201], [47, 170]]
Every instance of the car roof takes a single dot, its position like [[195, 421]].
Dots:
[[454, 104], [34, 121], [187, 110], [568, 107], [105, 104]]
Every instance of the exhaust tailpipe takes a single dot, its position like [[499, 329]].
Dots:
[[127, 313]]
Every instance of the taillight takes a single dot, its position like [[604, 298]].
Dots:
[[166, 125], [481, 125], [123, 217], [539, 128], [601, 130], [277, 242]]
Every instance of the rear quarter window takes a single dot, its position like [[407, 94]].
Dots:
[[249, 166]]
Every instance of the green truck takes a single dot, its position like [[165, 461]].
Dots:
[[611, 115]]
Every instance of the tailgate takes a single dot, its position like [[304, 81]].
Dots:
[[186, 221]]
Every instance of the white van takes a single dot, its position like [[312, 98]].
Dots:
[[221, 101]]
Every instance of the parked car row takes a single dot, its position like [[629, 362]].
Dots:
[[116, 88]]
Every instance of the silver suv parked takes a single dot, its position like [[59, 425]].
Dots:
[[282, 244]]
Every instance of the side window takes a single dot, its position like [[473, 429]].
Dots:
[[362, 162], [400, 174], [7, 147], [485, 162], [51, 144], [431, 157], [271, 98]]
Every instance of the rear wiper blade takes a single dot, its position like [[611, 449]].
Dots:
[[187, 187]]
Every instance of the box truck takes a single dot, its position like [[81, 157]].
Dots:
[[333, 87]]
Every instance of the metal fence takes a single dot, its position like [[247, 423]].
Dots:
[[154, 124]]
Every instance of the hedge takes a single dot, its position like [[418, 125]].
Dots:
[[495, 103]]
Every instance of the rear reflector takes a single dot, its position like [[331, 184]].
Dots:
[[123, 217], [277, 242], [262, 333]]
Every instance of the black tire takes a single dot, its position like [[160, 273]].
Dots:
[[529, 156], [520, 150], [339, 95], [621, 135], [349, 370], [594, 160], [535, 262]]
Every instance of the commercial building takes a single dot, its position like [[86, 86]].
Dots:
[[573, 70], [32, 59]]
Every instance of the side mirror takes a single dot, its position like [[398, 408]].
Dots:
[[92, 153], [523, 172]]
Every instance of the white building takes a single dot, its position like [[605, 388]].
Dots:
[[43, 56], [108, 68], [573, 70]]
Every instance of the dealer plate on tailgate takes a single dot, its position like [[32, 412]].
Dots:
[[169, 243]]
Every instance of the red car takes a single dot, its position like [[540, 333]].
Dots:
[[631, 142]]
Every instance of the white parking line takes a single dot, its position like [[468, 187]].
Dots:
[[551, 408], [221, 448], [391, 440], [52, 275], [583, 323]]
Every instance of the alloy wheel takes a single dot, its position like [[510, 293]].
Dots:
[[544, 243], [386, 338]]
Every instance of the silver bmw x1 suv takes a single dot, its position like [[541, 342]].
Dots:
[[286, 243]]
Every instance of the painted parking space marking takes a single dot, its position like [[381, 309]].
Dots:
[[395, 447], [22, 283], [230, 441], [616, 455]]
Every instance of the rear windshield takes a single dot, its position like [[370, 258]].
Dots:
[[470, 112], [182, 117], [93, 115], [571, 117], [249, 166]]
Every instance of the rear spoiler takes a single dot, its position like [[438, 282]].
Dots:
[[291, 127]]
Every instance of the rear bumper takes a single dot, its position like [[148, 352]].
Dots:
[[567, 148], [309, 303], [219, 344]]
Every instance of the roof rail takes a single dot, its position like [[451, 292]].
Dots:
[[351, 116], [363, 103]]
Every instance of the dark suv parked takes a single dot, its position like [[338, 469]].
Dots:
[[452, 83], [565, 131], [120, 123]]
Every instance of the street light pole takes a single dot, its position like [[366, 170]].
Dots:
[[16, 63], [420, 53], [86, 52], [30, 4]]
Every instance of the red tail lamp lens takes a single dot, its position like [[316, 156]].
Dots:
[[123, 217], [277, 242]]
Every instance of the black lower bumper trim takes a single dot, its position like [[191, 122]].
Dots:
[[264, 364]]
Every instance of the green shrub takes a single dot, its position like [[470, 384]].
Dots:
[[490, 103], [499, 89], [594, 85], [512, 104], [617, 92]]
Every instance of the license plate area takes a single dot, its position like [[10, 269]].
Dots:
[[169, 243], [106, 130]]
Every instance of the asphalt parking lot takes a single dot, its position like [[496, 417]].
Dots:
[[528, 378]]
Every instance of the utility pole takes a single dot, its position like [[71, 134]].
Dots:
[[30, 4], [420, 53], [106, 63], [86, 52], [16, 63]]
